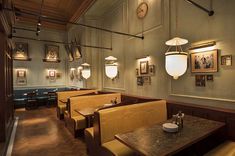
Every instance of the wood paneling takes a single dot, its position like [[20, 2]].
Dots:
[[6, 84], [66, 10]]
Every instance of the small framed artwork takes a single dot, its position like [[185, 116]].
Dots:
[[200, 80], [52, 75], [21, 51], [144, 67], [52, 53], [147, 79], [204, 62], [151, 69], [21, 77], [137, 72], [226, 60], [140, 81], [209, 78]]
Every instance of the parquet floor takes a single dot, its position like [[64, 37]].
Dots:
[[40, 133]]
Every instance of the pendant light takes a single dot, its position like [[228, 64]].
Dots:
[[111, 68], [176, 59], [86, 71]]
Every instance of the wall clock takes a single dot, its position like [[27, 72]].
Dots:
[[142, 10]]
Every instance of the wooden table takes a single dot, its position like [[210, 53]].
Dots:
[[88, 113], [153, 141]]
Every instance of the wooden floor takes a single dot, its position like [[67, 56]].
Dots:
[[40, 133]]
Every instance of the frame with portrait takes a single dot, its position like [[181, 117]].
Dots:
[[204, 62], [144, 68]]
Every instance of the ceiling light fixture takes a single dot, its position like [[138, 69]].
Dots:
[[176, 59], [111, 67], [86, 71]]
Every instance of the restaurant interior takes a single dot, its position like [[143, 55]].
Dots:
[[117, 78]]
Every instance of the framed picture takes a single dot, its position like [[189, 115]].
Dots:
[[51, 52], [200, 80], [144, 67], [226, 60], [21, 73], [151, 69], [21, 77], [21, 51], [204, 62], [140, 81], [147, 79], [137, 72], [209, 77], [52, 74]]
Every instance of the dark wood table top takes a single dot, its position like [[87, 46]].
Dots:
[[153, 141], [86, 112]]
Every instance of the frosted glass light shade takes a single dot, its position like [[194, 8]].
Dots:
[[111, 71], [86, 73], [176, 63]]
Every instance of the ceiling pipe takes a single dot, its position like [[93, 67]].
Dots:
[[68, 22], [209, 12], [59, 42]]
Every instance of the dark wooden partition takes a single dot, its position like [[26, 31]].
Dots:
[[6, 83], [211, 113]]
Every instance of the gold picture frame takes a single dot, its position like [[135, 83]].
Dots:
[[204, 62]]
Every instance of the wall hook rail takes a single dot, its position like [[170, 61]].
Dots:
[[209, 12]]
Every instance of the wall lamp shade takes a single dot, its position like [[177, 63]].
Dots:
[[86, 71], [111, 67], [176, 61]]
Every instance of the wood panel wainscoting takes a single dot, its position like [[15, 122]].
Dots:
[[6, 83], [212, 113]]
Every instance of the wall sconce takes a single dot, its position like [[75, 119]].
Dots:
[[144, 58], [176, 60], [86, 70], [206, 46], [111, 67]]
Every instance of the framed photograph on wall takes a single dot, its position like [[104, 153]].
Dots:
[[21, 77], [204, 62], [140, 81], [21, 51], [151, 70], [200, 80], [226, 60], [52, 74], [144, 67], [52, 53]]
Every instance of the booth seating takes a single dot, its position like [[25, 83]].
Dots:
[[61, 107], [20, 95], [74, 121], [225, 149], [100, 139]]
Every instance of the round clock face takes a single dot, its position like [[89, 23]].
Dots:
[[142, 10]]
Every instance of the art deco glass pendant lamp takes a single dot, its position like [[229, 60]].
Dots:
[[176, 59], [86, 70], [111, 67]]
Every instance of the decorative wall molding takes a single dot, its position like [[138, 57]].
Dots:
[[204, 98]]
